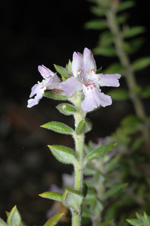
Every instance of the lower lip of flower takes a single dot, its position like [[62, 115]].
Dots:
[[90, 86]]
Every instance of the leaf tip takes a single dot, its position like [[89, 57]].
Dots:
[[41, 195]]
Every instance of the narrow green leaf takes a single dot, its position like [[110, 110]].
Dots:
[[63, 154], [3, 223], [139, 217], [115, 189], [61, 70], [133, 31], [84, 126], [58, 127], [97, 11], [53, 221], [89, 171], [119, 94], [146, 92], [134, 45], [125, 5], [21, 224], [86, 212], [135, 222], [98, 206], [69, 67], [14, 218], [141, 63], [80, 127], [54, 96], [72, 199], [96, 24], [98, 152], [52, 195], [121, 19], [99, 70], [66, 109], [113, 163], [146, 219], [130, 120], [84, 190], [109, 52], [113, 68], [106, 39], [87, 149], [106, 223], [137, 143]]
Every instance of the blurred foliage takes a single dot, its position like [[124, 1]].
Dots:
[[130, 163]]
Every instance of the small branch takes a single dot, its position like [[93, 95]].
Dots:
[[129, 73]]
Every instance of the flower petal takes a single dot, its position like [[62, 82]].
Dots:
[[36, 99], [34, 90], [70, 86], [108, 80], [94, 98], [53, 82], [77, 63], [103, 99], [89, 62], [44, 71]]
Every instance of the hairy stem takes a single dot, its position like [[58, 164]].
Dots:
[[129, 73], [79, 147]]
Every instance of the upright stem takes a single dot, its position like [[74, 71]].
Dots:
[[79, 147], [79, 142], [129, 73]]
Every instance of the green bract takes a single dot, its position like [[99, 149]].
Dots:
[[61, 70], [72, 199], [84, 126], [66, 109], [55, 96], [68, 67]]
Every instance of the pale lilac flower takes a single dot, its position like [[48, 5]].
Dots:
[[85, 78], [49, 82]]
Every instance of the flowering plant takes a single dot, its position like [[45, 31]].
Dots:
[[79, 84]]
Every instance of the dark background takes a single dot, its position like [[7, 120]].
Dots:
[[46, 32]]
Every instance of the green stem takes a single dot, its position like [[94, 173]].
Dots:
[[129, 73], [79, 147], [79, 142]]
